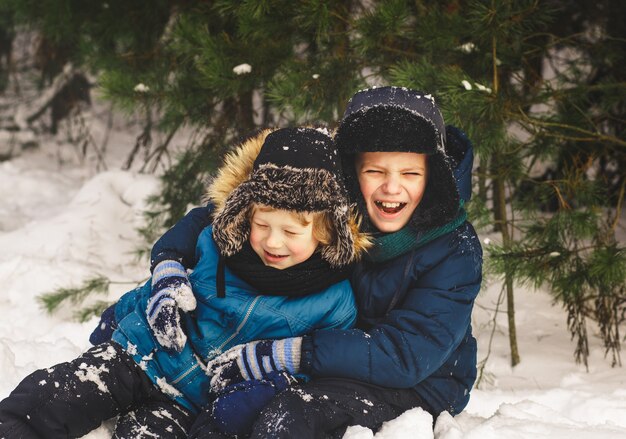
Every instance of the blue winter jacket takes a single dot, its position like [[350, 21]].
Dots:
[[415, 311], [220, 323], [415, 324], [414, 327]]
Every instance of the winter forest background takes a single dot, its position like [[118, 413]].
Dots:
[[113, 115]]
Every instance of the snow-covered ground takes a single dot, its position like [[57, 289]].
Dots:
[[62, 222]]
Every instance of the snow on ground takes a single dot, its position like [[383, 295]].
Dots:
[[62, 222]]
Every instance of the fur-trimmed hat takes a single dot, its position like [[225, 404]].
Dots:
[[293, 169], [397, 119]]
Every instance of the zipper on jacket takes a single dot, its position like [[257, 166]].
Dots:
[[396, 295], [191, 369], [242, 324], [187, 372]]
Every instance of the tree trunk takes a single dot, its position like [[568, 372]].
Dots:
[[500, 204]]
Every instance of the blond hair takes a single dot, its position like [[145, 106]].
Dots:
[[323, 226]]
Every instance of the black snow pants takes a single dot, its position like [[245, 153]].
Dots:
[[323, 408], [71, 399]]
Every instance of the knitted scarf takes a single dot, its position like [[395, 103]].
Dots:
[[310, 276], [390, 245]]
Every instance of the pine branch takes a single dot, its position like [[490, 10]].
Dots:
[[158, 152], [28, 113], [52, 301], [483, 363], [592, 136], [95, 310], [98, 285], [144, 140], [578, 328], [618, 208]]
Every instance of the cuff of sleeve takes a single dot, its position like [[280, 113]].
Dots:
[[286, 353], [168, 269], [306, 355], [164, 256]]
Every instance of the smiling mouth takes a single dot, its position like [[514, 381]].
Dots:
[[388, 207], [273, 257]]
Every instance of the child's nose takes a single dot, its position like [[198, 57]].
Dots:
[[273, 239], [392, 184]]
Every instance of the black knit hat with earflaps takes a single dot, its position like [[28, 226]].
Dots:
[[296, 169], [397, 119]]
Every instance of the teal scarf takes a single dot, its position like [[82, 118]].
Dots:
[[390, 245]]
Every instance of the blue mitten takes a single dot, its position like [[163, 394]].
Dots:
[[237, 407], [104, 330], [171, 292], [254, 360]]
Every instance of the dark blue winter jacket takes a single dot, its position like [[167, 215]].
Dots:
[[415, 314], [415, 311]]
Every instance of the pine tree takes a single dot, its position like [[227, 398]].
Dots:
[[538, 86]]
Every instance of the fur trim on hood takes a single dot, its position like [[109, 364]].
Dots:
[[255, 172]]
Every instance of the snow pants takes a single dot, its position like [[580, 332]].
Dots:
[[71, 399], [324, 408]]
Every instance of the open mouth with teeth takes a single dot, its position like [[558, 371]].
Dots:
[[272, 257], [389, 207]]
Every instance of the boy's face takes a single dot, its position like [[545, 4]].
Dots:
[[280, 239], [392, 184]]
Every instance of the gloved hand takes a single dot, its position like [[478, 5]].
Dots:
[[171, 291], [236, 408], [254, 360], [104, 330]]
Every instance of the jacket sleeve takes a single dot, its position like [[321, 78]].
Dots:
[[416, 337], [179, 242], [127, 303]]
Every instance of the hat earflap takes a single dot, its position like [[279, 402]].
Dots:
[[440, 203], [231, 225], [342, 251]]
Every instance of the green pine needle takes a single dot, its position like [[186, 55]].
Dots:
[[52, 301]]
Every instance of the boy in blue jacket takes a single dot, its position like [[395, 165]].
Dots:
[[273, 265], [409, 176]]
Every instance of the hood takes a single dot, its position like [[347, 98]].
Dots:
[[240, 182], [397, 119], [237, 168], [460, 152]]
